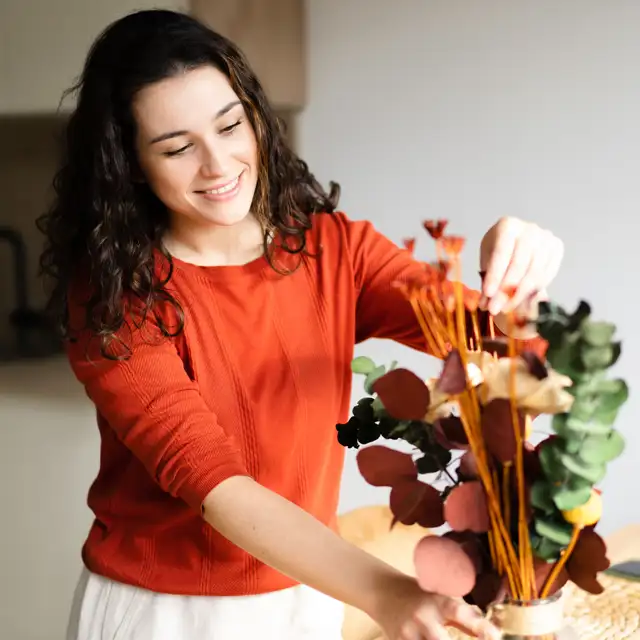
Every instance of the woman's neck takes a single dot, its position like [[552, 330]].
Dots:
[[216, 245]]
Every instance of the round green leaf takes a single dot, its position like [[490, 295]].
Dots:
[[546, 549], [597, 334], [600, 450], [560, 533], [585, 427], [596, 358], [580, 315], [612, 395], [583, 407], [567, 498], [435, 460], [592, 472], [551, 463], [362, 365], [541, 497], [378, 407], [372, 376]]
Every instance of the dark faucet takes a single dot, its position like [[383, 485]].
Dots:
[[34, 333]]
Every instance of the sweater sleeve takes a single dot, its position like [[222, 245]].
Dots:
[[156, 411], [383, 312]]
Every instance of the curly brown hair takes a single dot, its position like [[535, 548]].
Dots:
[[105, 220]]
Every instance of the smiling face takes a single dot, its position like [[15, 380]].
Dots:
[[196, 148]]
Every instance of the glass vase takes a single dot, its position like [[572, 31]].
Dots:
[[532, 620]]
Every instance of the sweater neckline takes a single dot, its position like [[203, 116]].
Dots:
[[223, 272]]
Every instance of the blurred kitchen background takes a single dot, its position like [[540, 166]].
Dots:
[[463, 109]]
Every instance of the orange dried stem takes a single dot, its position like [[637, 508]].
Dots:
[[432, 344], [506, 494], [476, 329], [427, 308], [560, 563], [444, 327], [492, 551], [503, 539], [524, 552]]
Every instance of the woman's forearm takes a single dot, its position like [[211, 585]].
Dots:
[[285, 537]]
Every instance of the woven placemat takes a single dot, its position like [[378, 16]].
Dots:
[[612, 615]]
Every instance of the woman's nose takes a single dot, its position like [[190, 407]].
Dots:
[[212, 164]]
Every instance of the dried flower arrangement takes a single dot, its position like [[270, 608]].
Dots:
[[522, 518]]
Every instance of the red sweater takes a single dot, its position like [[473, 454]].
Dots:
[[255, 384]]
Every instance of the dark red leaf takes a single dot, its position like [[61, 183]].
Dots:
[[543, 443], [470, 544], [542, 569], [497, 429], [453, 379], [535, 366], [466, 509], [588, 558], [450, 433], [404, 395], [497, 346], [384, 467], [531, 463], [489, 588], [414, 502], [443, 567], [468, 469]]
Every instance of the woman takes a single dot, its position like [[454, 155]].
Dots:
[[212, 297]]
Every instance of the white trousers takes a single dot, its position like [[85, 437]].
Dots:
[[106, 610]]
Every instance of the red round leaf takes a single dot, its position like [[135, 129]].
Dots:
[[465, 508], [470, 544], [531, 463], [536, 367], [587, 559], [468, 468], [443, 567], [498, 431], [542, 570], [453, 379], [449, 432], [414, 502], [496, 346], [489, 588], [384, 467], [404, 395]]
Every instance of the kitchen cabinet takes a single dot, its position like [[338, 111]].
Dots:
[[43, 45], [271, 33]]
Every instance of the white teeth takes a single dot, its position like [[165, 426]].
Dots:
[[227, 187]]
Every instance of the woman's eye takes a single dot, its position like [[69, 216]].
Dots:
[[231, 127], [177, 152]]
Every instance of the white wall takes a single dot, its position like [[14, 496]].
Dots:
[[474, 110], [43, 43]]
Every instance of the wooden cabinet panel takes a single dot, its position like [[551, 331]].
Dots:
[[272, 35]]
